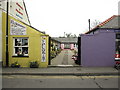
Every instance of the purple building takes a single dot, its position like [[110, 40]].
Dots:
[[99, 45]]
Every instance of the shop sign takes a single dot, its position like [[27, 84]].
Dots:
[[43, 54], [17, 28], [19, 10]]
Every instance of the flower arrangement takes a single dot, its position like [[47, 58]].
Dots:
[[15, 65], [20, 54], [34, 64]]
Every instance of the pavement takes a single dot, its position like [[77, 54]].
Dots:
[[61, 65], [78, 71]]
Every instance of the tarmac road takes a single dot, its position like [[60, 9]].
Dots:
[[32, 81]]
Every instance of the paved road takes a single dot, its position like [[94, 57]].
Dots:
[[23, 81], [64, 58]]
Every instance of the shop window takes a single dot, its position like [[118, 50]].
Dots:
[[21, 46]]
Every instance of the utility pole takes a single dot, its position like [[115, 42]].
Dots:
[[89, 23], [64, 34], [7, 17]]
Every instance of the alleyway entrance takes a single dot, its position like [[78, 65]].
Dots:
[[64, 59]]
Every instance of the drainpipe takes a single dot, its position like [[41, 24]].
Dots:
[[7, 53]]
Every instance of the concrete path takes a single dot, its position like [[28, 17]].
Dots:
[[61, 71], [64, 58]]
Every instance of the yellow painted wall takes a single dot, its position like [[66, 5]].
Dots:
[[34, 45], [0, 34], [3, 38]]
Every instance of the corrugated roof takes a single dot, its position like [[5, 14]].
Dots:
[[66, 39], [112, 23]]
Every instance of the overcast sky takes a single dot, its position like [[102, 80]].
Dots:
[[71, 16]]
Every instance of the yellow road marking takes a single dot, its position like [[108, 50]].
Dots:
[[104, 76], [7, 77], [57, 77]]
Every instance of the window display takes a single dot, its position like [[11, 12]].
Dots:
[[21, 46]]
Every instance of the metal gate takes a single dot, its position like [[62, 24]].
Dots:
[[79, 50], [49, 55]]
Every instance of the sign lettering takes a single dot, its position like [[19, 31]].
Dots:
[[16, 28], [43, 59]]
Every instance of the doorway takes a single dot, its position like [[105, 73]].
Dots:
[[62, 57]]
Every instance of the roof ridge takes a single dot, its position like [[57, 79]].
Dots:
[[104, 22]]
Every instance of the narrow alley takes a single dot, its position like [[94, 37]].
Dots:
[[64, 58]]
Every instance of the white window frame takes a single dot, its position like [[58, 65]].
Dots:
[[20, 46]]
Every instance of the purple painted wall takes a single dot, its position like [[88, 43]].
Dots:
[[98, 49]]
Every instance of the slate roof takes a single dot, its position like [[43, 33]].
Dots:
[[66, 39], [111, 23]]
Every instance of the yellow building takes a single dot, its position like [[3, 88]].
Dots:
[[25, 43]]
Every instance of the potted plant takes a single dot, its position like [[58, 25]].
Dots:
[[20, 54], [34, 64], [15, 65]]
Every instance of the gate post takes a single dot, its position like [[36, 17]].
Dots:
[[79, 50], [49, 54]]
